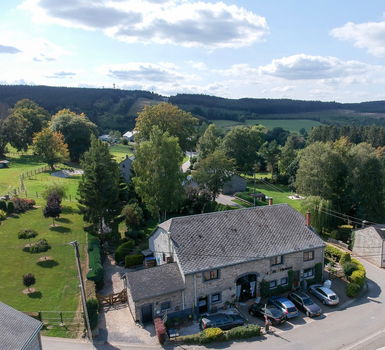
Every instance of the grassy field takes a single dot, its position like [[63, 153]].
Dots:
[[293, 125], [57, 283], [120, 151], [279, 193]]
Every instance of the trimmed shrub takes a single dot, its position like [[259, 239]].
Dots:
[[27, 234], [3, 215], [21, 205], [346, 257], [357, 277], [243, 332], [37, 247], [352, 289], [96, 272], [10, 208], [209, 335], [349, 267], [160, 330], [333, 253], [133, 260], [190, 339], [93, 311], [123, 250], [3, 205]]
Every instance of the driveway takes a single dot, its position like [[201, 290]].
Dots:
[[227, 200], [116, 324]]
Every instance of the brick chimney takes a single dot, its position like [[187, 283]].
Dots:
[[308, 219], [270, 201]]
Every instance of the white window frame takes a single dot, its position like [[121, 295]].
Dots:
[[274, 282], [306, 272]]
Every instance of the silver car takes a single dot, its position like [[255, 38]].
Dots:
[[326, 295]]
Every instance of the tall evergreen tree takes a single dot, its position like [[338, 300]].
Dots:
[[99, 186]]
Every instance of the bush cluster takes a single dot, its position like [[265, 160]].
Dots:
[[133, 260], [21, 205], [93, 311], [123, 250], [40, 246], [3, 205], [216, 334], [3, 215], [352, 289], [27, 234], [96, 272]]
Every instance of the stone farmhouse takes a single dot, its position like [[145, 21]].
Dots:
[[369, 242], [205, 261], [125, 167]]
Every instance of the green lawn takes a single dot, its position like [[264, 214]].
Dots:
[[120, 151], [279, 193], [57, 286]]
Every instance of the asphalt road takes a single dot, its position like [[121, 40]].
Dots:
[[360, 325]]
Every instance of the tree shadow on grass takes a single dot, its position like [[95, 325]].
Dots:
[[47, 263], [63, 220], [35, 295], [60, 229], [69, 210]]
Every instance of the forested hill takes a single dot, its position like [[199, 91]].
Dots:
[[116, 109]]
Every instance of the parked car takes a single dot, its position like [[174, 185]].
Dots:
[[326, 295], [222, 321], [284, 304], [303, 302], [275, 315]]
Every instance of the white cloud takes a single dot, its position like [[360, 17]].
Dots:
[[370, 36], [185, 22], [306, 67], [138, 72], [61, 75]]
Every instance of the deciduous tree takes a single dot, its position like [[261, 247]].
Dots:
[[76, 129], [242, 144], [212, 172], [158, 177], [209, 141], [166, 117], [53, 207], [49, 146]]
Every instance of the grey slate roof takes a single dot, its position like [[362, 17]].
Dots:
[[225, 238], [154, 281], [16, 328], [379, 229]]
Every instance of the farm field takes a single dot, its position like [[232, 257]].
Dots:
[[57, 282], [293, 125]]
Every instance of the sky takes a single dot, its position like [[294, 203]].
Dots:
[[313, 50]]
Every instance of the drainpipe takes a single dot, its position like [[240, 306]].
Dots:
[[195, 291]]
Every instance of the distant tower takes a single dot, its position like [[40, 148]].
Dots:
[[113, 85]]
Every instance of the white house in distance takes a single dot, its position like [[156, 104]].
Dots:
[[129, 135], [369, 242], [18, 331]]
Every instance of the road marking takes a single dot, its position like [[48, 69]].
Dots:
[[362, 341]]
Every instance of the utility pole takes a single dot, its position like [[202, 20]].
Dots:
[[75, 244]]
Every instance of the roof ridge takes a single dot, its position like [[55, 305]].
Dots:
[[261, 207]]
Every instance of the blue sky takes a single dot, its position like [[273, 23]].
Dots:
[[313, 50]]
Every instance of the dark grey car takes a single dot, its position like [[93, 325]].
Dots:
[[305, 304]]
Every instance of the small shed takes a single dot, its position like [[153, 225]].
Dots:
[[235, 184], [369, 242], [4, 164], [18, 330]]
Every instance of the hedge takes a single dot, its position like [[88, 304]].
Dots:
[[3, 215], [93, 312], [133, 260], [209, 335], [123, 250], [27, 234], [333, 253], [96, 272], [3, 205]]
